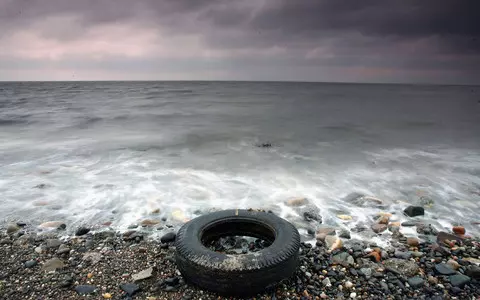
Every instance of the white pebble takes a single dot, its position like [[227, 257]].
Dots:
[[353, 295], [348, 284]]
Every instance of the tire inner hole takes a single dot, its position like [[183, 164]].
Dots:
[[237, 237]]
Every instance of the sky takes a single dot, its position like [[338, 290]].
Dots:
[[405, 41]]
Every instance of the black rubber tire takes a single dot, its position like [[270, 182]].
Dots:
[[237, 275]]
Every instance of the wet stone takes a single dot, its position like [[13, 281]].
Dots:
[[444, 269], [414, 211], [130, 288], [168, 237], [31, 263], [83, 290], [415, 282], [459, 280], [82, 231]]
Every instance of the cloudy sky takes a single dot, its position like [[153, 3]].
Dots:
[[426, 41]]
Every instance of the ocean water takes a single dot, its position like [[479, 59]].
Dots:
[[92, 152]]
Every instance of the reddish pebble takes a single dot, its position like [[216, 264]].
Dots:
[[413, 242], [107, 224], [374, 256], [458, 229]]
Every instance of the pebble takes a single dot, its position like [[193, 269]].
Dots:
[[147, 273], [459, 280], [53, 264], [401, 266], [31, 263], [453, 264], [413, 242], [473, 271], [82, 231], [53, 243], [83, 290], [415, 282], [348, 284], [130, 288], [458, 229], [353, 295], [379, 228], [444, 269], [12, 228], [63, 249], [168, 237], [409, 224], [414, 211]]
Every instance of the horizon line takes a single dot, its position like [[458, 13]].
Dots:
[[245, 81]]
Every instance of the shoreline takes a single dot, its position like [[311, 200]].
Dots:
[[105, 264]]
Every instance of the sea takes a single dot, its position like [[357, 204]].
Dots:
[[119, 153]]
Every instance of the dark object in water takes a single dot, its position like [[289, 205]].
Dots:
[[265, 145]]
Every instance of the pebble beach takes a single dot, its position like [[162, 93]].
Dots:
[[100, 263]]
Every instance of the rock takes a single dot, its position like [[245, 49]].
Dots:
[[401, 266], [53, 243], [323, 232], [168, 237], [472, 260], [426, 229], [92, 257], [326, 282], [417, 253], [458, 229], [156, 211], [344, 233], [453, 264], [107, 296], [353, 295], [367, 272], [12, 228], [344, 259], [413, 211], [459, 280], [147, 273], [38, 250], [415, 282], [344, 217], [402, 254], [82, 231], [383, 220], [348, 284], [379, 228], [63, 249], [413, 242], [53, 224], [84, 290], [149, 222], [394, 224], [130, 288], [310, 216], [409, 224], [5, 241], [444, 269], [432, 280], [442, 236], [473, 272], [296, 202], [375, 256], [333, 242], [31, 263], [53, 264]]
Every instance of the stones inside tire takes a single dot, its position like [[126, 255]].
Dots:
[[243, 274]]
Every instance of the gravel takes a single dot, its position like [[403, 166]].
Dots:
[[104, 265]]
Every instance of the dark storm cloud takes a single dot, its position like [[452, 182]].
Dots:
[[402, 35]]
